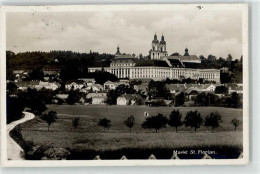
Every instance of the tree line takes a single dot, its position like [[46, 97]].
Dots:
[[192, 119]]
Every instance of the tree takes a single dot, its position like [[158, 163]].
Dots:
[[14, 108], [179, 99], [235, 122], [75, 122], [193, 119], [175, 119], [221, 90], [130, 121], [105, 123], [175, 54], [155, 122], [213, 120], [73, 97], [229, 58], [50, 118], [36, 74], [11, 87], [37, 105]]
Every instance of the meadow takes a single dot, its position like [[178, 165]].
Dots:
[[90, 137]]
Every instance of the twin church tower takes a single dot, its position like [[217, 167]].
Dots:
[[158, 48]]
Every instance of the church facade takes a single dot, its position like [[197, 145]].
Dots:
[[160, 66]]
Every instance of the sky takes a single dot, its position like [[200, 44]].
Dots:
[[203, 32]]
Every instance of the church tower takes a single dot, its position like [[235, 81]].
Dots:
[[118, 52], [158, 48], [186, 52]]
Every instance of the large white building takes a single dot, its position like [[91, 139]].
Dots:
[[160, 66]]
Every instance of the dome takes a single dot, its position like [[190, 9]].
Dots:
[[155, 41], [162, 42]]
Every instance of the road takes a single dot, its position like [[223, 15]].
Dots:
[[14, 151]]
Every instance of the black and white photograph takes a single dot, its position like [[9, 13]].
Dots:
[[125, 85]]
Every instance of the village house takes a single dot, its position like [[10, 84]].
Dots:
[[38, 85], [208, 88], [96, 94], [175, 88], [88, 81], [78, 84], [124, 99], [141, 88], [238, 88], [99, 100], [95, 88], [110, 85], [60, 98]]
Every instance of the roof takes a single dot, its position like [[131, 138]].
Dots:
[[97, 85], [62, 96], [27, 83], [175, 63], [74, 81], [99, 97], [175, 87], [185, 58], [123, 59], [234, 86], [159, 63], [109, 82], [192, 89], [51, 68], [87, 79]]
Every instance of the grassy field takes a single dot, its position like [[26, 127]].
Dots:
[[89, 136]]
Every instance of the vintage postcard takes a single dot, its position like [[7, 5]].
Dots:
[[124, 85]]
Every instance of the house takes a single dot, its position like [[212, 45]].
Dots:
[[96, 88], [60, 98], [169, 102], [110, 85], [82, 100], [208, 88], [95, 94], [192, 92], [78, 84], [142, 88], [124, 99], [175, 88], [238, 88], [88, 81], [24, 85], [137, 100], [99, 100], [51, 70]]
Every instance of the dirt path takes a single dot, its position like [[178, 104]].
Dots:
[[13, 149]]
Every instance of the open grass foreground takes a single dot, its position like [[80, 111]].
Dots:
[[88, 138]]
